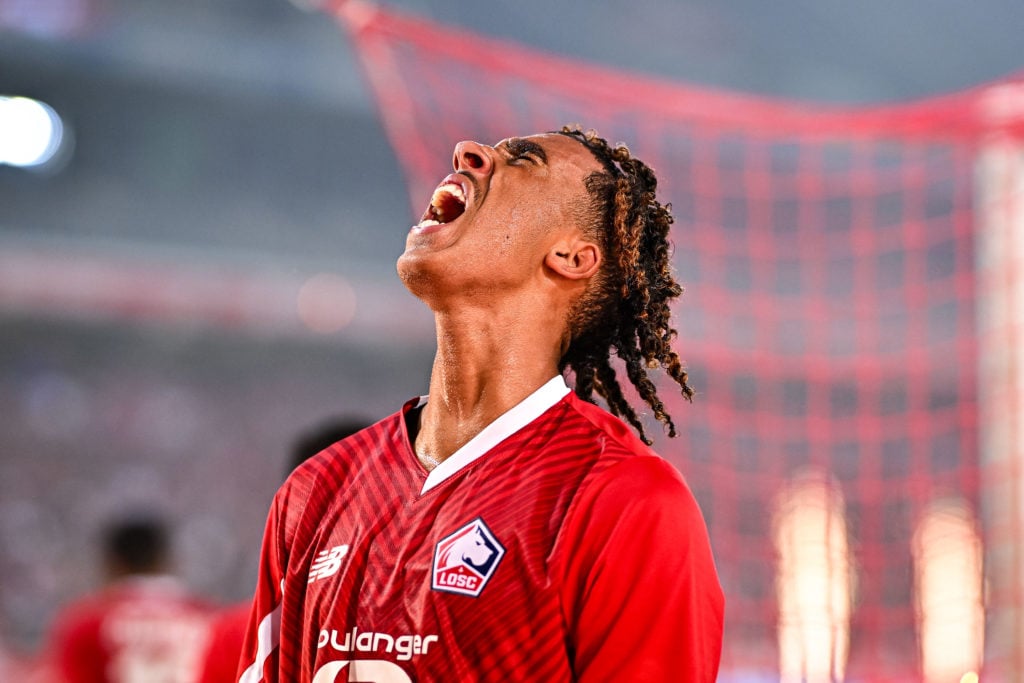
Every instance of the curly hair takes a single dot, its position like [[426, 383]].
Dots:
[[627, 307]]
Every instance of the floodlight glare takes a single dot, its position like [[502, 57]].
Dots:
[[31, 132]]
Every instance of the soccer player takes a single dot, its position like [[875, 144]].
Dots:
[[505, 528], [143, 626]]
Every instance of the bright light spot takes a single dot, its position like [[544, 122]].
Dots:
[[30, 132], [948, 587], [326, 303], [814, 581]]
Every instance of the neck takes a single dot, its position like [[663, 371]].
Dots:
[[488, 360]]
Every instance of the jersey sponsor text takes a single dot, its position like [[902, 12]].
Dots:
[[407, 646]]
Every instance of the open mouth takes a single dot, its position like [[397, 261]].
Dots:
[[447, 203]]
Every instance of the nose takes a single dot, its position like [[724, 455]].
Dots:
[[471, 156]]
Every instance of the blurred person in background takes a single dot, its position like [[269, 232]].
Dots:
[[505, 528], [143, 626], [227, 631]]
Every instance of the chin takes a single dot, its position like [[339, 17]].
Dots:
[[440, 284], [406, 267], [417, 274]]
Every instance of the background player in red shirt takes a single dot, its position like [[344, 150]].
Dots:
[[144, 626], [504, 528]]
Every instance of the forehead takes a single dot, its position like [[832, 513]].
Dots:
[[562, 151]]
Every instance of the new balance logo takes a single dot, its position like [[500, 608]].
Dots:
[[327, 563]]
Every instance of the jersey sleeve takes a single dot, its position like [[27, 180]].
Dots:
[[641, 595], [259, 660]]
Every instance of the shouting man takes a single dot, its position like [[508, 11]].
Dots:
[[503, 527]]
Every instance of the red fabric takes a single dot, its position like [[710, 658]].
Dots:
[[224, 646], [607, 572], [137, 630], [636, 591], [830, 321]]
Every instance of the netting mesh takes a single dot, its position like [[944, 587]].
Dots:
[[828, 323]]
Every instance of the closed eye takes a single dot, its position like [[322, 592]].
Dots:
[[519, 148]]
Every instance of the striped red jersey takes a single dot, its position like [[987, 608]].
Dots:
[[553, 546]]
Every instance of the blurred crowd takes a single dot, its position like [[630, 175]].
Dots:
[[144, 624]]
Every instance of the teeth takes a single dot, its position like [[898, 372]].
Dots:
[[449, 189], [446, 204]]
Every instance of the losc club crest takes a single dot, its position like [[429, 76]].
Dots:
[[465, 561]]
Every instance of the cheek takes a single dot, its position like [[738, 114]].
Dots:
[[520, 228], [536, 219]]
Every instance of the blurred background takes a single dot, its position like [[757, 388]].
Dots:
[[198, 263]]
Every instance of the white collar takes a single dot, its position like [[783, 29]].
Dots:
[[517, 417]]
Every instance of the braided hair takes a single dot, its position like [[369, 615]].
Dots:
[[627, 307]]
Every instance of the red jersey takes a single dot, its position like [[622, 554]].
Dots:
[[139, 630], [224, 645], [553, 546]]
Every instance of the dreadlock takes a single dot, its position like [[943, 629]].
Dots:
[[627, 308]]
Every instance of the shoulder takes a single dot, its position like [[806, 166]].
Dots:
[[79, 610], [628, 477], [616, 439], [313, 488], [80, 618], [326, 470], [638, 486], [634, 508], [617, 432]]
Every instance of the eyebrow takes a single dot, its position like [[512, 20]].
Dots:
[[519, 146]]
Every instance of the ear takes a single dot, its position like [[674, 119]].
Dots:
[[574, 259]]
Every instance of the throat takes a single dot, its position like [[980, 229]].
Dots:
[[428, 462], [413, 421]]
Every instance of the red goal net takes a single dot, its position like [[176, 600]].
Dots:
[[830, 319]]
